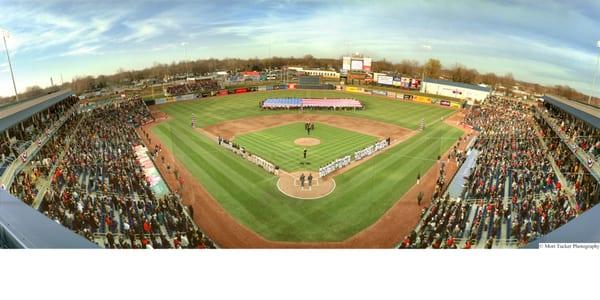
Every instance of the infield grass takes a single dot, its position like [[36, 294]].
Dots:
[[277, 145], [362, 194]]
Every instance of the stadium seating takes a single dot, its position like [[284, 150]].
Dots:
[[96, 186], [512, 183]]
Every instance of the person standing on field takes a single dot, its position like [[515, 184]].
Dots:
[[302, 180], [310, 178]]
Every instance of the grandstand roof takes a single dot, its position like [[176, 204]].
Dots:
[[579, 110], [24, 227], [459, 84], [13, 114]]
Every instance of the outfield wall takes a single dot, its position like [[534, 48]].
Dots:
[[293, 86], [402, 96]]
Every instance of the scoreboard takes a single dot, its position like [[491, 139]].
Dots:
[[356, 63]]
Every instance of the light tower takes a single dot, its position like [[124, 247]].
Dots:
[[6, 34], [595, 75]]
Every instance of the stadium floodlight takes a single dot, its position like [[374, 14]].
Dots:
[[187, 65], [6, 34], [595, 75]]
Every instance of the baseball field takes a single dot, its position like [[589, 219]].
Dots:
[[280, 145], [250, 195]]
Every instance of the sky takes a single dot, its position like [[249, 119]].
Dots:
[[549, 42]]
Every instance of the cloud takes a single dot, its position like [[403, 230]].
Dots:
[[85, 50], [550, 42]]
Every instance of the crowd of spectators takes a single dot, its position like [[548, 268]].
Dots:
[[22, 135], [512, 184], [584, 185], [196, 87], [580, 133], [97, 187]]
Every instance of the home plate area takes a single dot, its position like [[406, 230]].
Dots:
[[290, 184]]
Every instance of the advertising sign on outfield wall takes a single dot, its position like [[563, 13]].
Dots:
[[160, 100], [261, 88], [399, 96], [445, 103], [391, 94], [422, 99], [291, 86], [241, 90], [455, 104], [353, 89], [378, 92], [408, 97], [385, 80], [223, 93]]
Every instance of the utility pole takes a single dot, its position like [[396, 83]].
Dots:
[[595, 75], [12, 75]]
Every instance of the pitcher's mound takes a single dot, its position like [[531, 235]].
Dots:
[[307, 141], [290, 184]]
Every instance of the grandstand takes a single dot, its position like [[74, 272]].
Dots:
[[80, 169], [525, 175]]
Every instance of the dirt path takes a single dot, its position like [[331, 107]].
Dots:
[[227, 232]]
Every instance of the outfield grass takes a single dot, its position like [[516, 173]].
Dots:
[[362, 194], [277, 145], [218, 109]]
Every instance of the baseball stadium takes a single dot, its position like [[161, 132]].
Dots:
[[305, 165]]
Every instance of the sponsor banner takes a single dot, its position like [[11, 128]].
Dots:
[[170, 99], [378, 92], [397, 83], [160, 100], [399, 96], [415, 84], [445, 103], [405, 82], [269, 87], [366, 91], [185, 97], [291, 86], [422, 99], [223, 93], [353, 89], [391, 94], [261, 88], [241, 90], [283, 87], [385, 80], [151, 174], [455, 104], [408, 97]]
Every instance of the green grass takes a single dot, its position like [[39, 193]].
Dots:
[[277, 145], [218, 109], [362, 194]]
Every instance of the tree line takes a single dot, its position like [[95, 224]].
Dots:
[[433, 68]]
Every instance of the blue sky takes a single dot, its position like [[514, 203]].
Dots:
[[549, 42]]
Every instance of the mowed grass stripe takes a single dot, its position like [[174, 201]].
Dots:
[[215, 110], [277, 145], [250, 195]]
